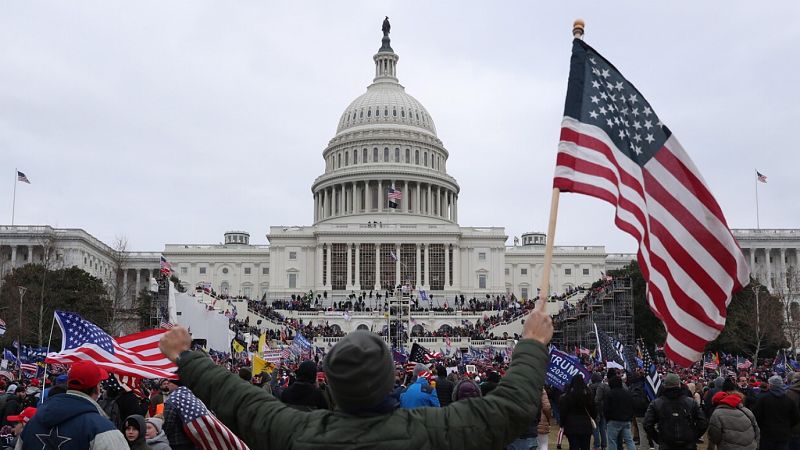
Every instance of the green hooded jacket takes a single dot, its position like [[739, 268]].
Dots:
[[263, 422]]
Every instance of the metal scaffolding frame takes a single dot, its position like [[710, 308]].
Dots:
[[611, 309]]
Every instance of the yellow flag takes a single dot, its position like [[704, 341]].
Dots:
[[260, 365], [237, 347], [262, 342]]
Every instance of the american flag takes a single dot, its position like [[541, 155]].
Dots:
[[395, 194], [611, 350], [710, 363], [419, 354], [21, 177], [615, 148], [743, 364], [166, 267], [29, 367], [134, 355], [761, 177], [205, 430]]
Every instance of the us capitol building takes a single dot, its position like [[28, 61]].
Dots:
[[385, 141]]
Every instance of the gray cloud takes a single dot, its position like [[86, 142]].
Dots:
[[172, 122]]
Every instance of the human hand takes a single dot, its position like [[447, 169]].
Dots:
[[174, 342], [538, 326]]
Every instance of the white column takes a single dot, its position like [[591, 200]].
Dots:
[[367, 197], [349, 280], [446, 266], [455, 208], [13, 256], [416, 283], [428, 211], [328, 264], [353, 198], [456, 267], [30, 254], [397, 264], [324, 193], [769, 269], [427, 265], [406, 197], [381, 198], [320, 268], [343, 201], [377, 267], [124, 283], [358, 266], [138, 280], [417, 198]]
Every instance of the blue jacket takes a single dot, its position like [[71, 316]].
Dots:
[[419, 395], [72, 421]]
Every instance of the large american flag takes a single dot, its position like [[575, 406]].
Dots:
[[205, 430], [135, 355], [614, 147]]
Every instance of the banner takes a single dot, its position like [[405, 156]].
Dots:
[[562, 368]]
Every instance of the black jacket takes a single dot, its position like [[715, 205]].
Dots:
[[776, 414], [618, 405], [305, 396], [576, 411], [444, 389], [12, 408], [658, 416]]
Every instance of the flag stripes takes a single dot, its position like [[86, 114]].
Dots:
[[686, 252]]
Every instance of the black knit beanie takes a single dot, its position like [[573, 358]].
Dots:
[[360, 371]]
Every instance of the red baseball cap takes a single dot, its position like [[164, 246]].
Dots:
[[25, 416], [84, 375]]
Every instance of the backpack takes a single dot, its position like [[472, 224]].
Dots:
[[676, 426], [111, 408], [639, 397]]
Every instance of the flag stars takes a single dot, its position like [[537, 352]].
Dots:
[[637, 150], [593, 61], [593, 114], [635, 112], [605, 73], [621, 134], [595, 84], [609, 85], [596, 71], [603, 96], [647, 111], [637, 137], [648, 124], [649, 138], [595, 99], [610, 123], [633, 98], [603, 110], [618, 86]]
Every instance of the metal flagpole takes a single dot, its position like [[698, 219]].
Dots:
[[14, 201], [758, 220], [49, 340]]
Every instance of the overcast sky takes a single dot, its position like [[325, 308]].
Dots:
[[172, 122]]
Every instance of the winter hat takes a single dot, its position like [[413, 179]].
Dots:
[[776, 382], [719, 382], [494, 377], [466, 389], [360, 370], [672, 381], [307, 371], [156, 422]]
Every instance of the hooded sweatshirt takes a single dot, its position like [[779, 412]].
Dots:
[[138, 422], [732, 426], [73, 421]]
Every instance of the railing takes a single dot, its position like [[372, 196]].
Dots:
[[788, 232], [462, 341]]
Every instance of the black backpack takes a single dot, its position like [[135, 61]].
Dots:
[[639, 397], [676, 426]]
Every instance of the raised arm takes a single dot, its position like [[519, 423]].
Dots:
[[250, 412]]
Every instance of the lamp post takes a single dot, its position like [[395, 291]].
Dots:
[[22, 290]]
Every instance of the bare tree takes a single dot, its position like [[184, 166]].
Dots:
[[787, 289], [755, 321], [51, 260], [119, 289]]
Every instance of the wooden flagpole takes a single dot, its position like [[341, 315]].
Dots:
[[544, 289]]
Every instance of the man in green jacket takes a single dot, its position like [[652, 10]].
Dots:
[[360, 374]]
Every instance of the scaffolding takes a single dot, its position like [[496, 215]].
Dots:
[[610, 307], [159, 309]]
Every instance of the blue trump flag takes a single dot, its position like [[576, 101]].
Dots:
[[563, 367]]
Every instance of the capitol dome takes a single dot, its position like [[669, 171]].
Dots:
[[386, 103], [385, 163]]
